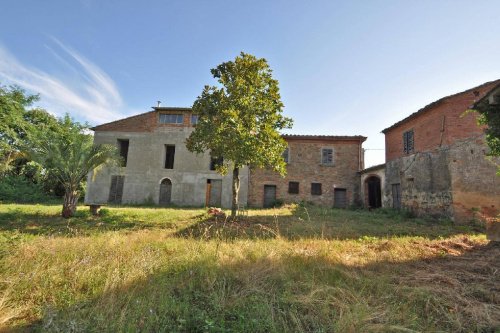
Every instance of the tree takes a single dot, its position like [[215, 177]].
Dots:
[[14, 102], [69, 154], [240, 119], [489, 114]]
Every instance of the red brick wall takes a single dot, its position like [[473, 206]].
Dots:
[[145, 122], [440, 125], [305, 168]]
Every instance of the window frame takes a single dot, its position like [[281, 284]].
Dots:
[[317, 190], [409, 141], [332, 156], [163, 117], [287, 152], [290, 188], [193, 116], [166, 161]]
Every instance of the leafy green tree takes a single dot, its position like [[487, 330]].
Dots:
[[489, 114], [14, 102], [69, 154], [239, 120]]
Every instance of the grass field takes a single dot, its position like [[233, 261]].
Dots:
[[297, 269]]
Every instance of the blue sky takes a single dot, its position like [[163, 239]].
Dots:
[[344, 67]]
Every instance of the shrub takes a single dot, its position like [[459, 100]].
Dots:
[[19, 189]]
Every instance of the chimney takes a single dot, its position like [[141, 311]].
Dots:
[[158, 104]]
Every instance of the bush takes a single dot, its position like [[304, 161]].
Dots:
[[19, 189]]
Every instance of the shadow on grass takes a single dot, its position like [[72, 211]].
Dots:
[[323, 223], [50, 223], [453, 292]]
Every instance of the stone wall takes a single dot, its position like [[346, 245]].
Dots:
[[145, 170], [475, 185], [305, 167], [425, 183]]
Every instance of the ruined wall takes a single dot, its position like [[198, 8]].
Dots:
[[474, 183], [305, 167], [145, 170], [425, 182]]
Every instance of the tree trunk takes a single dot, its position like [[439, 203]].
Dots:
[[236, 190], [69, 204]]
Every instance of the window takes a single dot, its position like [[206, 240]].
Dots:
[[171, 118], [169, 156], [293, 187], [215, 162], [408, 142], [327, 156], [123, 147], [194, 119], [316, 189], [286, 154]]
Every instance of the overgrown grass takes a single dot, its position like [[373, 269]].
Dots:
[[303, 269]]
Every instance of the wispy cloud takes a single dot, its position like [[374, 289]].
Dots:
[[85, 91]]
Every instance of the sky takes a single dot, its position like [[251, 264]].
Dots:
[[344, 67]]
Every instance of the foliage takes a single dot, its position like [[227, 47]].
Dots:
[[240, 119], [489, 114], [137, 269], [69, 155], [19, 189]]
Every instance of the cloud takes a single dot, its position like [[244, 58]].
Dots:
[[85, 91]]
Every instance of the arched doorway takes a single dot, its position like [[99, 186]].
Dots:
[[374, 192], [165, 192]]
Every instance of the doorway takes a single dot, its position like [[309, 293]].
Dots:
[[340, 198], [374, 192], [165, 192], [269, 196], [214, 193]]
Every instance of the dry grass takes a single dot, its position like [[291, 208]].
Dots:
[[137, 269]]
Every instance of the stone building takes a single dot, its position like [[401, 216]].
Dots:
[[320, 169], [157, 166], [436, 161]]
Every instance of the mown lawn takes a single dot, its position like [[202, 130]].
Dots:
[[297, 269]]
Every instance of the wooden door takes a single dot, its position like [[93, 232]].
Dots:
[[116, 189], [269, 195], [165, 192], [214, 192], [396, 196], [340, 198]]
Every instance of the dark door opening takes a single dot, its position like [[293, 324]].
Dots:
[[165, 192], [374, 192], [340, 198], [269, 196]]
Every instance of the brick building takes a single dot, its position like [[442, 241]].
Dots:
[[158, 167], [320, 169], [436, 159]]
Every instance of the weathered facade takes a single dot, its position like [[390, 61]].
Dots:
[[159, 168], [320, 169], [436, 161]]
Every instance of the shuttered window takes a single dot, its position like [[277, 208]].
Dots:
[[116, 189], [327, 156], [316, 189], [293, 187], [408, 142]]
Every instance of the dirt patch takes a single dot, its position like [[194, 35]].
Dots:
[[467, 276]]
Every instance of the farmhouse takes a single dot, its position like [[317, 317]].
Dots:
[[436, 161], [158, 168]]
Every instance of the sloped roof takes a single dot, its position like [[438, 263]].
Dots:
[[482, 89], [325, 137]]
